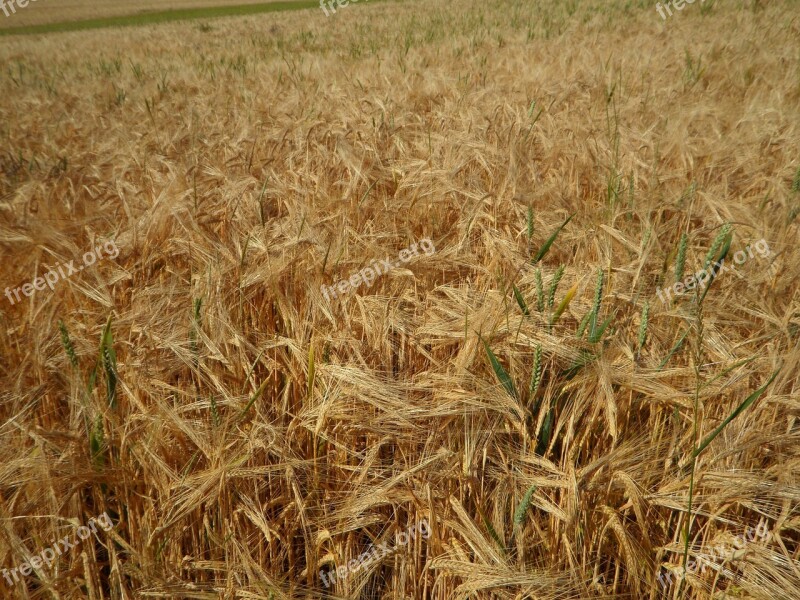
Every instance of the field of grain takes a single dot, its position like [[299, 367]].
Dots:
[[40, 12], [510, 411]]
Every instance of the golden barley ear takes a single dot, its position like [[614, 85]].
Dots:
[[564, 304], [643, 326]]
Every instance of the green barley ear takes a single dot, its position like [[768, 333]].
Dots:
[[726, 246], [522, 508], [214, 411], [598, 292], [536, 373], [108, 358], [539, 291], [796, 182], [598, 298], [67, 343], [582, 327], [110, 366], [551, 297], [717, 244], [530, 226], [643, 325], [647, 235], [680, 262]]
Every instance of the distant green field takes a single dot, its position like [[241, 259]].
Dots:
[[162, 17]]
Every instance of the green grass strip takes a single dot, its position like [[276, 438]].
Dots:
[[500, 372], [165, 16]]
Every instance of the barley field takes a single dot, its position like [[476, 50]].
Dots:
[[39, 12], [403, 303]]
